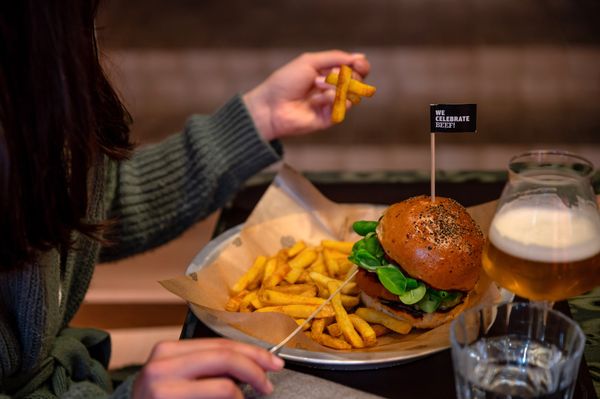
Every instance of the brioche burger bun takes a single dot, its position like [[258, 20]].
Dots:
[[436, 247]]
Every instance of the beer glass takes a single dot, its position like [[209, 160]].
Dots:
[[544, 239]]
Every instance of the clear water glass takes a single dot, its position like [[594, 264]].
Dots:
[[515, 350]]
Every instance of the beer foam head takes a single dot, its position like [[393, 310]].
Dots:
[[548, 233]]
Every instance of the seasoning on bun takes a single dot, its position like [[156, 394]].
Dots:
[[420, 261]]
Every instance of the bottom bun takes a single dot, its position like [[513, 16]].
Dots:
[[427, 321]]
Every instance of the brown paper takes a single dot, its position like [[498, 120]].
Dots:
[[292, 209]]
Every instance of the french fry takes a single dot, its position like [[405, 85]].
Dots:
[[350, 289], [274, 298], [269, 269], [380, 329], [256, 302], [355, 87], [322, 291], [374, 316], [316, 329], [364, 329], [335, 343], [305, 326], [299, 263], [318, 265], [344, 266], [233, 304], [303, 259], [293, 275], [345, 247], [304, 277], [338, 112], [343, 320], [279, 274], [247, 301], [295, 249], [354, 98], [306, 289], [282, 254], [299, 311], [337, 255], [252, 275], [320, 279], [350, 301], [332, 266], [334, 330]]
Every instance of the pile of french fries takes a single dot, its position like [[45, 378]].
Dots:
[[297, 280], [346, 88]]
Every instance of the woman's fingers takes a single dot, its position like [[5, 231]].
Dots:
[[209, 363], [326, 98], [334, 58], [168, 349], [361, 65]]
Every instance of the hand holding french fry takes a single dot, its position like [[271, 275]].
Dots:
[[294, 99]]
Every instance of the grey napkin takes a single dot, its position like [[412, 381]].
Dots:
[[293, 385]]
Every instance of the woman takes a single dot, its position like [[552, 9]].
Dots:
[[72, 192]]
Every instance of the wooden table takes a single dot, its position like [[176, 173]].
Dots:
[[429, 377]]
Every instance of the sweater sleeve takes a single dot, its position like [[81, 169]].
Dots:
[[165, 188]]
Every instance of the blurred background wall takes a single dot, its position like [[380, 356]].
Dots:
[[532, 66]]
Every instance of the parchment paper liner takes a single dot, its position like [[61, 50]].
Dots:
[[293, 209]]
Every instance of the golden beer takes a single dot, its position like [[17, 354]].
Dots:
[[547, 253], [540, 280]]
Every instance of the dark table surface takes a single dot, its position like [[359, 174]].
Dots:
[[429, 377]]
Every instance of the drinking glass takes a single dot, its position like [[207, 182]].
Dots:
[[544, 240], [515, 350]]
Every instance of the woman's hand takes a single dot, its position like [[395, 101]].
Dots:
[[204, 368], [294, 99]]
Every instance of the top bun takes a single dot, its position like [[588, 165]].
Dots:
[[436, 242]]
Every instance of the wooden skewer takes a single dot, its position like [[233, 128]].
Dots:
[[432, 167]]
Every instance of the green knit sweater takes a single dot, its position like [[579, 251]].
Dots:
[[153, 197]]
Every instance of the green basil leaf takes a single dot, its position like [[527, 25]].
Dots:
[[411, 283], [413, 296], [430, 303], [360, 244], [364, 227], [392, 279], [365, 260], [451, 300], [434, 293], [374, 247]]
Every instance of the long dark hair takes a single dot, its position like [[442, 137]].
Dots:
[[59, 116]]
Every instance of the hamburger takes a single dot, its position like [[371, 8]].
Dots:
[[420, 261]]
